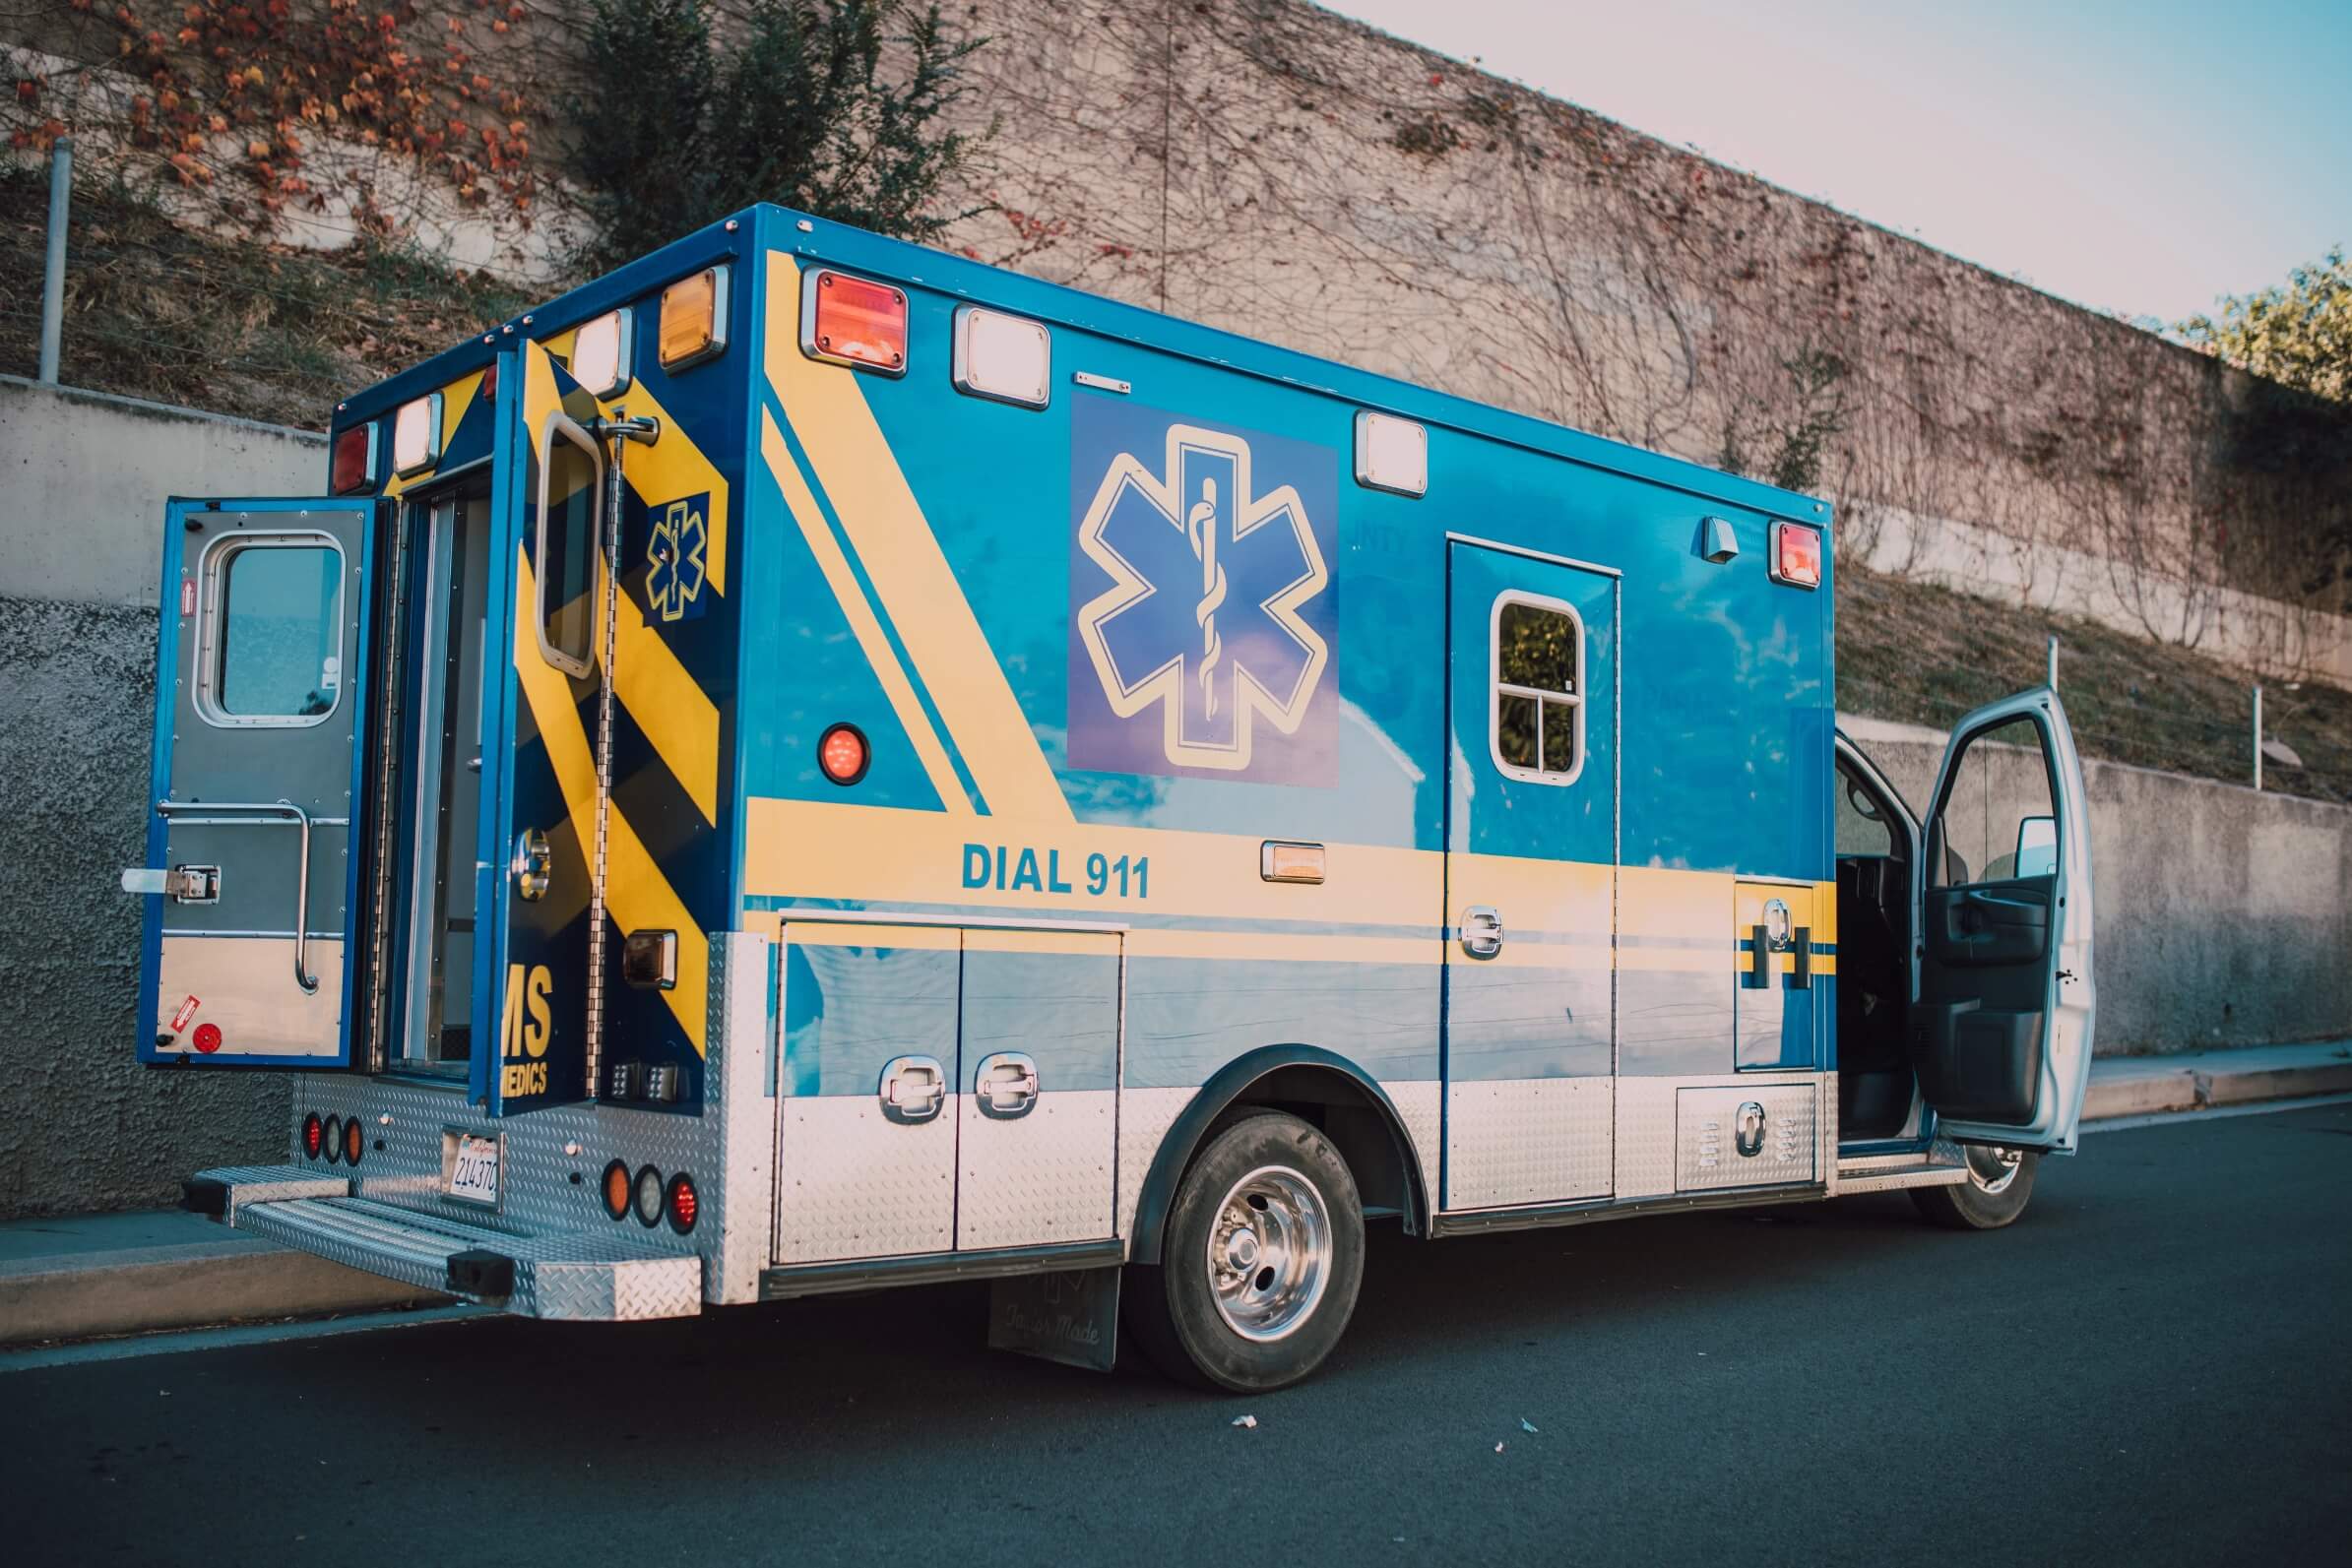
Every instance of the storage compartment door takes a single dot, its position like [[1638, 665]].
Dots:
[[2001, 1033], [1039, 1075], [249, 875], [867, 1166]]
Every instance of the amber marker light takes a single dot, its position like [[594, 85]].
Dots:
[[693, 318]]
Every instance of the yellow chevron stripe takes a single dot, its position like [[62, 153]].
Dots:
[[901, 555], [637, 896], [675, 467], [668, 705], [863, 622]]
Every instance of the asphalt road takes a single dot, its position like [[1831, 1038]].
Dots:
[[2153, 1365]]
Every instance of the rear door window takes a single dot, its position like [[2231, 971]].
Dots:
[[276, 631]]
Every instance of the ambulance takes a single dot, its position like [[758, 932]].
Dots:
[[811, 764]]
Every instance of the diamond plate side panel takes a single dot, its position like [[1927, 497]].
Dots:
[[1528, 1139], [1706, 1146], [851, 1183], [1144, 1117], [1825, 1155], [1645, 1137], [1421, 1105], [740, 1207], [1042, 1178]]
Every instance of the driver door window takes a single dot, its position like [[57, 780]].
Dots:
[[1998, 824]]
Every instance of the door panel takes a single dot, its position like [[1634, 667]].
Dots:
[[261, 694], [1773, 1001], [1531, 873], [2001, 1033], [536, 879], [862, 1173], [1039, 1077]]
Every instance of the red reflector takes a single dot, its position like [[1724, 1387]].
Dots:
[[1795, 554], [313, 1135], [683, 1205], [355, 459], [860, 322], [208, 1037], [841, 754]]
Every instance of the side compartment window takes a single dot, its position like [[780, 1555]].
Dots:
[[1998, 824], [276, 631], [569, 508], [1538, 731]]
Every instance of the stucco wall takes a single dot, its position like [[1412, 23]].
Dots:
[[83, 479], [2224, 915]]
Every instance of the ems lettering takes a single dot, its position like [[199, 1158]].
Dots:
[[1021, 868], [528, 1022]]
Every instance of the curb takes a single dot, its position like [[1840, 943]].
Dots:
[[183, 1288], [2161, 1089]]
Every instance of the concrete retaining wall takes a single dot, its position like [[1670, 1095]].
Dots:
[[2224, 916], [83, 478]]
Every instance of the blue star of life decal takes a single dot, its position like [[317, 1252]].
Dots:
[[1203, 611], [675, 567]]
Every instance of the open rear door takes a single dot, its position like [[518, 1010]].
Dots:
[[545, 703], [2001, 1033], [249, 878]]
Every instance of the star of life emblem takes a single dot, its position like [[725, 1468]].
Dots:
[[1202, 617], [674, 559]]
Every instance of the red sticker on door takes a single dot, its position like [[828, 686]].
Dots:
[[187, 1011]]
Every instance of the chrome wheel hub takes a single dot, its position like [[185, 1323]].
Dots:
[[1269, 1253], [1991, 1169]]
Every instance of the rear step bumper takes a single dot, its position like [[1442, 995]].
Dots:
[[567, 1275]]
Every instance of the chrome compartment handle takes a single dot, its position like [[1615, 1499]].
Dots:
[[1482, 931], [285, 811], [1006, 1085], [913, 1089]]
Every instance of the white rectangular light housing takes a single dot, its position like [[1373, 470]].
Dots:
[[1009, 358], [601, 354], [1391, 453], [417, 435]]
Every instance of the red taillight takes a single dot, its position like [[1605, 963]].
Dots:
[[842, 754], [1795, 556], [353, 467], [683, 1205], [860, 322], [314, 1134]]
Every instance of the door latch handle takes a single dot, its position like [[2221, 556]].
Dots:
[[1006, 1085], [913, 1087], [1482, 931], [1749, 1131]]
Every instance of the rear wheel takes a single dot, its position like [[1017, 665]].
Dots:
[[1261, 1258], [2000, 1181]]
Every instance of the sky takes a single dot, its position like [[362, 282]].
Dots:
[[2144, 158]]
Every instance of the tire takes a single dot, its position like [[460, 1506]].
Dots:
[[1999, 1184], [1273, 1199]]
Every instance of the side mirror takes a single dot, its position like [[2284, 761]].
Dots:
[[2037, 847]]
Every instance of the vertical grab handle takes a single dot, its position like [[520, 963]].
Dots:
[[1803, 978], [1759, 957], [287, 811]]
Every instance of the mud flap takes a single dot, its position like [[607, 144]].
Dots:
[[1070, 1315]]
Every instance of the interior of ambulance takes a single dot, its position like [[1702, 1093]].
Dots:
[[1971, 1043]]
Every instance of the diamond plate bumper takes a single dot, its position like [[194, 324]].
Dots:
[[575, 1276]]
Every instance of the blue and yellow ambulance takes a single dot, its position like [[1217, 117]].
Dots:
[[811, 764]]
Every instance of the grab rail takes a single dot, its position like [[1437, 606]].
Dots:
[[286, 810]]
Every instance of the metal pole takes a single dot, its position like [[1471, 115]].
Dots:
[[52, 288], [2050, 680], [2258, 738]]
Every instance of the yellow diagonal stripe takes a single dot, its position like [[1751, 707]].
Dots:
[[902, 558], [637, 896], [860, 615], [675, 467], [681, 722]]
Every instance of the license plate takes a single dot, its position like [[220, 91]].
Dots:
[[469, 1169]]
